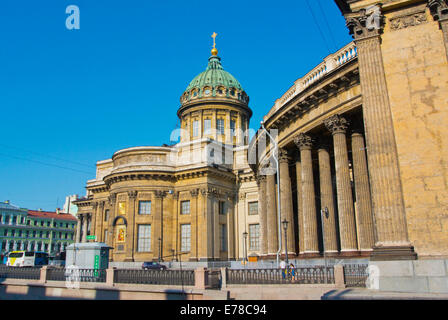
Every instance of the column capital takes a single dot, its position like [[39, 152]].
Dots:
[[94, 205], [194, 193], [160, 193], [303, 141], [112, 198], [336, 124], [366, 23], [260, 178], [101, 204], [283, 156], [132, 194], [438, 9]]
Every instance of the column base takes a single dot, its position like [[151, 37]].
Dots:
[[388, 253], [354, 253], [309, 255]]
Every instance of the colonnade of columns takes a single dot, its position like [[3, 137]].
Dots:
[[338, 227]]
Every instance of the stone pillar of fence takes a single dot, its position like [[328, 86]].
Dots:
[[339, 279], [43, 274], [110, 272], [201, 278], [223, 278]]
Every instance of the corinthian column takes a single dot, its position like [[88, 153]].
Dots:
[[261, 181], [132, 195], [362, 191], [310, 240], [388, 205], [286, 199], [439, 11], [84, 227], [347, 225], [272, 226], [327, 202], [299, 205]]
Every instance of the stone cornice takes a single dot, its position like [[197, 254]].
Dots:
[[314, 95]]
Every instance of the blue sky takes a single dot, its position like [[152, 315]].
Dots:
[[69, 98]]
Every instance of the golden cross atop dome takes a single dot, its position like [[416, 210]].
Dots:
[[214, 50], [214, 38]]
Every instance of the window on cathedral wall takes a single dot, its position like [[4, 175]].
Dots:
[[185, 234], [232, 128], [223, 237], [207, 126], [144, 207], [254, 237], [220, 126], [185, 207], [195, 128], [144, 238], [253, 208], [106, 215], [222, 207]]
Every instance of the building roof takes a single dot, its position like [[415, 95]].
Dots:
[[6, 205], [51, 215]]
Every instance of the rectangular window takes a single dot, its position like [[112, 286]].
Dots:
[[34, 234], [207, 126], [122, 208], [6, 219], [223, 237], [195, 128], [19, 233], [5, 233], [253, 208], [232, 128], [40, 234], [254, 237], [185, 233], [220, 126], [14, 220], [106, 215], [48, 223], [13, 233], [185, 207], [144, 207], [144, 238], [222, 207]]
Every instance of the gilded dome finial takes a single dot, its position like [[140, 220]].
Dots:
[[214, 50]]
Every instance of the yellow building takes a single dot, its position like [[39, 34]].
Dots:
[[191, 198]]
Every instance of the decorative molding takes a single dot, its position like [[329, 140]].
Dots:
[[336, 124], [368, 22], [409, 20]]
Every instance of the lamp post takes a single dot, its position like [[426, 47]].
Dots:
[[285, 228], [275, 152], [326, 214], [245, 247]]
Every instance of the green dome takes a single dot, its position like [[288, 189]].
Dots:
[[214, 83], [214, 76]]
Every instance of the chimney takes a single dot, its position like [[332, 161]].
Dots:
[[40, 209], [58, 210]]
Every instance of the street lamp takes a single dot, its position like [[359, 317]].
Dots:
[[245, 246], [285, 228], [324, 213], [278, 192]]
